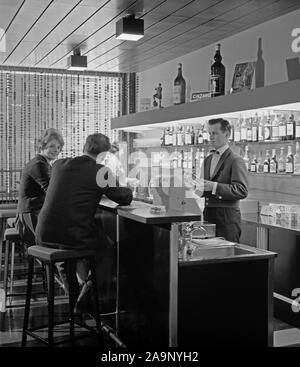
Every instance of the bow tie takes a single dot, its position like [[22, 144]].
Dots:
[[214, 151]]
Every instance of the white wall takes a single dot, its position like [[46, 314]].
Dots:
[[276, 44]]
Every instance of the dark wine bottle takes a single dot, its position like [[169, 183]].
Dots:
[[179, 87], [217, 74]]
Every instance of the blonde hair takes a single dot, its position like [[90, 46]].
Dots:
[[47, 136]]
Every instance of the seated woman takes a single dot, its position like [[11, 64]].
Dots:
[[34, 183]]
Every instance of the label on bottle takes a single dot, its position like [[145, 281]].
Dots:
[[282, 131], [244, 133], [200, 139], [177, 94], [249, 135], [298, 131], [266, 168], [254, 133], [179, 139], [253, 167], [188, 139], [273, 167], [290, 129], [267, 133], [205, 137], [174, 139], [275, 132], [237, 136], [260, 135], [289, 167], [281, 168], [216, 84]]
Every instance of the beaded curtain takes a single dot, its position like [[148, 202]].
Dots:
[[30, 102]]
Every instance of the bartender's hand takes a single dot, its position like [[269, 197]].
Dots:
[[208, 185], [201, 185]]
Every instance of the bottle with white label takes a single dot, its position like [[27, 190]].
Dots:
[[282, 128], [179, 87], [244, 130], [253, 164], [297, 160], [275, 128], [246, 158], [273, 162], [261, 123], [237, 132], [281, 162], [255, 128], [267, 162], [290, 128], [260, 163], [289, 162], [267, 128], [297, 129]]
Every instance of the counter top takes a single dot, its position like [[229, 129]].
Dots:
[[268, 221], [140, 212]]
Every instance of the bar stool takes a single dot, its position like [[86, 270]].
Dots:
[[51, 256], [11, 222]]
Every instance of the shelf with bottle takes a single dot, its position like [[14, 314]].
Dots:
[[261, 162]]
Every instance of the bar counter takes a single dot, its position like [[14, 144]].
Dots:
[[166, 302]]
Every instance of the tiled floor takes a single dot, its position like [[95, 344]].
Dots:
[[284, 334]]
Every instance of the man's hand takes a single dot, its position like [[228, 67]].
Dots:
[[208, 185]]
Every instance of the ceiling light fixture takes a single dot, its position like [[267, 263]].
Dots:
[[77, 61], [129, 28]]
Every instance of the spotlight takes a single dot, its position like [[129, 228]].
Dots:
[[76, 61], [129, 28]]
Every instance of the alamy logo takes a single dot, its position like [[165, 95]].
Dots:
[[2, 40], [296, 302], [295, 46]]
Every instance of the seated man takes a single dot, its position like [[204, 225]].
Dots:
[[75, 189]]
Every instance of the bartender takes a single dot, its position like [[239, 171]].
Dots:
[[225, 182]]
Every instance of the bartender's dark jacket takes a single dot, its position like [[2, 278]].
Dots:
[[223, 207], [67, 219]]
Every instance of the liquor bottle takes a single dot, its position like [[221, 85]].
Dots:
[[202, 157], [253, 164], [179, 160], [260, 163], [275, 128], [273, 162], [185, 159], [188, 138], [297, 129], [290, 128], [167, 136], [255, 128], [174, 141], [179, 87], [297, 160], [267, 162], [217, 74], [200, 136], [205, 134], [231, 137], [171, 132], [190, 159], [261, 121], [249, 129], [179, 136], [163, 138], [267, 128], [244, 130], [281, 162], [289, 162], [175, 159], [246, 158], [237, 132], [282, 128], [192, 132]]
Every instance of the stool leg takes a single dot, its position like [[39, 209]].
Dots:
[[1, 249], [71, 276], [96, 300], [4, 293], [12, 265], [28, 298], [50, 268]]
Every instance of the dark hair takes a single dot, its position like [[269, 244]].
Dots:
[[47, 136], [96, 143], [225, 125]]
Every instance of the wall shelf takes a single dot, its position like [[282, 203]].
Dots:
[[282, 96]]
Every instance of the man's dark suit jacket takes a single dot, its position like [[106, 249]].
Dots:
[[34, 183], [72, 198], [223, 207]]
